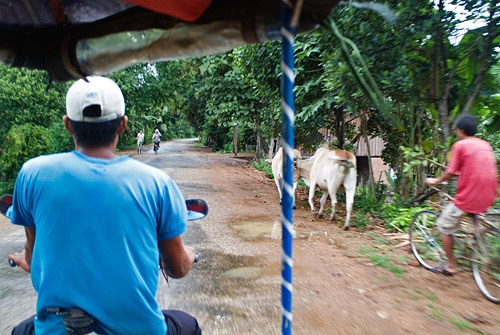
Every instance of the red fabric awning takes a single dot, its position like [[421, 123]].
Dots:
[[186, 10]]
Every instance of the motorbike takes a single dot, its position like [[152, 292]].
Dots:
[[156, 146], [76, 320]]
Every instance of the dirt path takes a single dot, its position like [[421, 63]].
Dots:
[[338, 288], [345, 282]]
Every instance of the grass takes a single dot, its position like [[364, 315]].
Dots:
[[383, 261], [361, 221], [430, 296], [198, 144], [435, 314], [464, 325], [264, 166], [381, 240]]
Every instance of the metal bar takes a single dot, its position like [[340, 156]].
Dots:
[[287, 104]]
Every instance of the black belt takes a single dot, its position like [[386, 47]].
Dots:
[[76, 320]]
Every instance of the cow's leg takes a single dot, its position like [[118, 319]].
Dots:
[[322, 203], [277, 180], [333, 187], [348, 206], [333, 197], [349, 199], [312, 190]]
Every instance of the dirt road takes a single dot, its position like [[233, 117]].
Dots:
[[344, 282]]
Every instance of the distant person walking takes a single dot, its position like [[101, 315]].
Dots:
[[140, 141]]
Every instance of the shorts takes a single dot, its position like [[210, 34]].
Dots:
[[449, 220], [179, 323]]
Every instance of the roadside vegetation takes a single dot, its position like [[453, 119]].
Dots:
[[404, 72]]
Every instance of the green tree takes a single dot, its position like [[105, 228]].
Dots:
[[237, 92], [28, 96], [401, 58]]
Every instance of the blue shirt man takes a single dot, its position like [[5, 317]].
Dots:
[[97, 224]]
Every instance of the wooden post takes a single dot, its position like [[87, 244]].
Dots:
[[235, 140]]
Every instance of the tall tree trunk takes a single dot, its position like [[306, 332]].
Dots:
[[339, 126], [364, 126], [259, 145], [270, 151], [440, 89]]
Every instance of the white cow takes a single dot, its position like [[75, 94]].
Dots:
[[277, 167], [330, 169]]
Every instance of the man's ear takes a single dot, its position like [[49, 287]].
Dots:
[[67, 124], [123, 124]]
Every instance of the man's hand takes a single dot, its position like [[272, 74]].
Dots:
[[191, 253], [432, 181], [20, 259]]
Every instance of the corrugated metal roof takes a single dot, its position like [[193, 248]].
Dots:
[[376, 147]]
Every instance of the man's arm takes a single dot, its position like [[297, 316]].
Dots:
[[23, 258], [30, 243], [176, 257], [441, 179]]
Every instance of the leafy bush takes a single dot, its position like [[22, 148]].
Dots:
[[21, 143], [366, 201], [361, 221], [227, 148], [402, 219], [62, 140], [264, 166]]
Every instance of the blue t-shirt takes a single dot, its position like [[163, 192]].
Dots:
[[98, 223]]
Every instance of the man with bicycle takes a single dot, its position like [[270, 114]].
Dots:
[[140, 141], [96, 226], [473, 161]]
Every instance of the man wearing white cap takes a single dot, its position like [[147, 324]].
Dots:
[[96, 226]]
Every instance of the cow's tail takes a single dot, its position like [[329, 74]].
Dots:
[[347, 165]]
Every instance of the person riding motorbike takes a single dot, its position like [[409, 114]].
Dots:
[[96, 225], [156, 139]]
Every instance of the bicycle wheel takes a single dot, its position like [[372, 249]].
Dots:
[[425, 241], [486, 263]]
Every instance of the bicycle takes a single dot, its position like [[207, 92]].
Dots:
[[477, 243], [139, 147]]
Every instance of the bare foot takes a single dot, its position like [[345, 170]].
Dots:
[[447, 270]]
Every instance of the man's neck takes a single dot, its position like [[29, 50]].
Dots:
[[101, 152]]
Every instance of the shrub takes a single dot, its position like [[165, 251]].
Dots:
[[402, 219], [62, 140], [264, 166], [366, 201], [361, 221], [21, 143]]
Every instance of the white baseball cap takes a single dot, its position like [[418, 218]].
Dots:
[[94, 99]]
